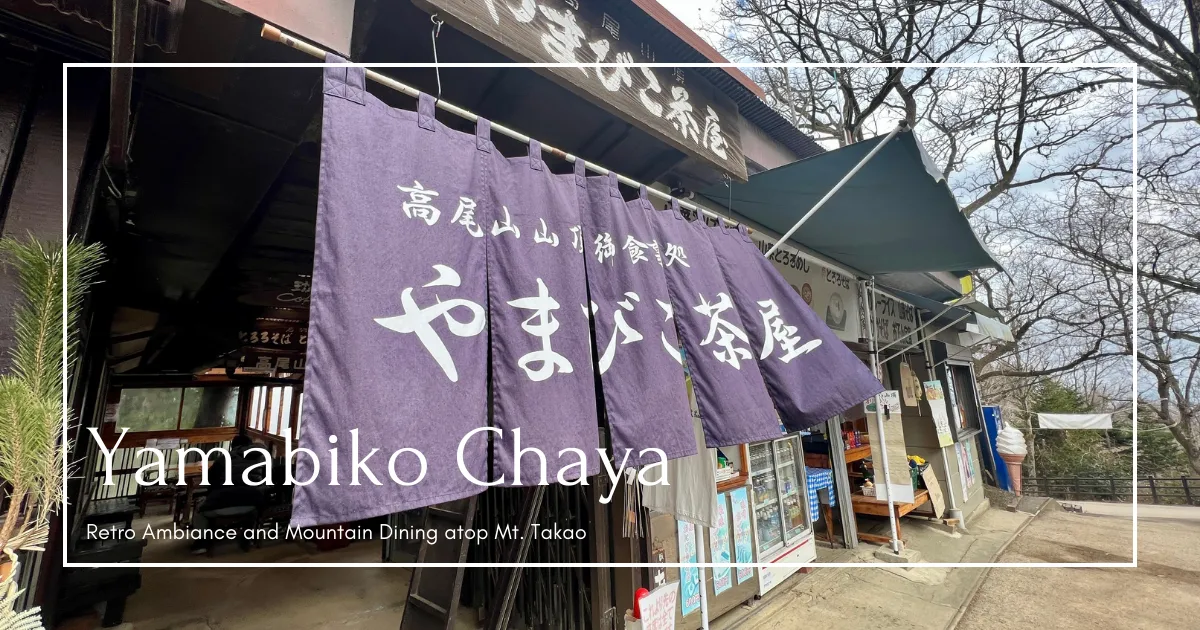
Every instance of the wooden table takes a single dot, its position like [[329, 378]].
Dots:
[[876, 507]]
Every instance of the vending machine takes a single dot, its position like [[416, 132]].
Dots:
[[779, 501]]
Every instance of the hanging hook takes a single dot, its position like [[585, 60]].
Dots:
[[437, 30], [728, 181]]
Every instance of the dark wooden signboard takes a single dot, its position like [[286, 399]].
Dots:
[[260, 359], [675, 105], [294, 292], [276, 334]]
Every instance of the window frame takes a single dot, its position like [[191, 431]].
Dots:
[[259, 424], [961, 433], [182, 389]]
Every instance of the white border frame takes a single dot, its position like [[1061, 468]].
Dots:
[[704, 565]]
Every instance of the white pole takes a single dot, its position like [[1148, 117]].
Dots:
[[959, 303], [883, 461], [838, 186], [916, 343], [700, 555]]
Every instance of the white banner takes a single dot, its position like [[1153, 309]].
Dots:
[[1075, 420], [833, 295]]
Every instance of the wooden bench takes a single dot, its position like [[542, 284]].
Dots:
[[878, 507]]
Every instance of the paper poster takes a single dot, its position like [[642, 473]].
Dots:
[[110, 413], [689, 577], [972, 469], [657, 608], [941, 417], [963, 469], [718, 544], [743, 552], [908, 386]]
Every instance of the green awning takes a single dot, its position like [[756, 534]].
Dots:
[[896, 214]]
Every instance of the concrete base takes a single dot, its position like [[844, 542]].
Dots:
[[923, 598], [885, 554]]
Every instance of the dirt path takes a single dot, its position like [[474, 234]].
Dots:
[[1162, 592]]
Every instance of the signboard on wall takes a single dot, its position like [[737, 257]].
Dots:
[[895, 320], [293, 292], [831, 294], [900, 489], [263, 361], [676, 105], [275, 334]]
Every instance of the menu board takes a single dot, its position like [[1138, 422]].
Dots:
[[689, 577], [900, 489], [743, 553], [718, 543]]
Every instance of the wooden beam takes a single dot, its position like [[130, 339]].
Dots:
[[124, 50]]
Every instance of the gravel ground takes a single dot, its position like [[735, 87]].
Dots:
[[1162, 592]]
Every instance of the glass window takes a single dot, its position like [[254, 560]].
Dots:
[[208, 407], [255, 409], [964, 390], [285, 412], [960, 395], [149, 409], [299, 413], [276, 407]]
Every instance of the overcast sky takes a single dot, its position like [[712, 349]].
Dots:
[[693, 12]]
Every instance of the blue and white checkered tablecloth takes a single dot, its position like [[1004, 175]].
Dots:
[[818, 479]]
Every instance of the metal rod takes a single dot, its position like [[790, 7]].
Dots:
[[274, 34], [916, 343], [958, 304], [838, 186], [700, 559]]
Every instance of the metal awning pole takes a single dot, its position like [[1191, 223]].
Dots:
[[838, 186], [931, 320], [916, 343], [274, 34]]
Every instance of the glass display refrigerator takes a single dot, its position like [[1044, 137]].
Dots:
[[779, 496]]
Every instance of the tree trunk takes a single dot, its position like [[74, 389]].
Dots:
[[1187, 433]]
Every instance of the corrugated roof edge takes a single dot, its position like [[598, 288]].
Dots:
[[732, 82], [763, 116]]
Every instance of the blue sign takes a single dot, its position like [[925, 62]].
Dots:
[[743, 551], [992, 421]]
